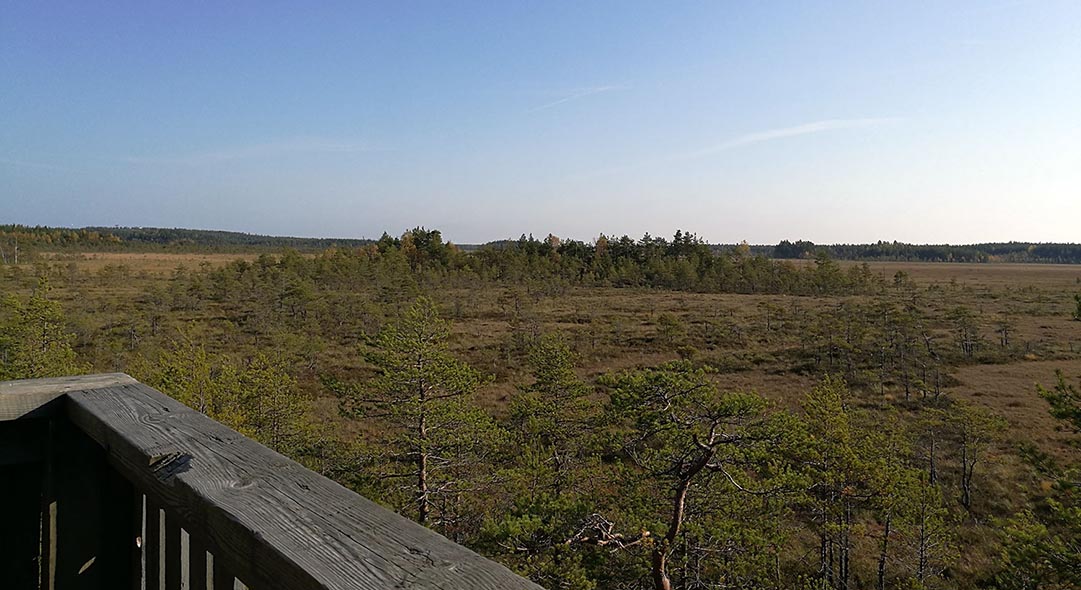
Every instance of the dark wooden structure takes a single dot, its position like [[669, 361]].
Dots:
[[106, 483]]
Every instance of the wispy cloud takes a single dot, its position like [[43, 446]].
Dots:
[[745, 140], [576, 94], [783, 133], [271, 149]]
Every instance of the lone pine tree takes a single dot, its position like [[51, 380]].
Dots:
[[431, 432]]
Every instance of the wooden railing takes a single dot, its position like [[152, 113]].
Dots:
[[108, 483]]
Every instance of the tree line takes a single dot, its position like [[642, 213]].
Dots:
[[899, 251], [42, 238]]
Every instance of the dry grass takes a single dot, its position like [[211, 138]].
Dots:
[[983, 275], [155, 263], [1010, 390], [617, 329]]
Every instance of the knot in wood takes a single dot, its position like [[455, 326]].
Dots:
[[244, 482]]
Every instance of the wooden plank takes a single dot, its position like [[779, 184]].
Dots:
[[47, 551], [48, 548], [23, 441], [93, 520], [38, 397], [119, 557], [278, 524], [77, 497], [20, 526], [138, 520], [196, 564], [152, 545], [172, 553], [223, 578]]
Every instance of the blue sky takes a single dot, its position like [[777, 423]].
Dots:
[[758, 121]]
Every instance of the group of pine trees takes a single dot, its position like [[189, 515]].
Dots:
[[655, 478]]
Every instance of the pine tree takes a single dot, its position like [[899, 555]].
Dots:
[[547, 485], [258, 398], [844, 478], [696, 459], [976, 429], [420, 406], [34, 341]]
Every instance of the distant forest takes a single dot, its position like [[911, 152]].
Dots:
[[992, 252], [44, 238], [21, 240]]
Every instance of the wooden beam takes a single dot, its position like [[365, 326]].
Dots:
[[27, 398], [173, 553], [90, 511], [223, 578], [23, 441], [20, 526], [264, 517], [196, 564], [152, 545]]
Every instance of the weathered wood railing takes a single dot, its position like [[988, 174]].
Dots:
[[107, 483]]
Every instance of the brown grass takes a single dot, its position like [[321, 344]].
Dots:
[[997, 274], [148, 262], [617, 329], [1010, 390]]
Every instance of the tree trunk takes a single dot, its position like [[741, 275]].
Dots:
[[846, 545], [422, 475], [663, 549], [904, 375], [661, 581], [921, 563], [660, 573], [884, 551], [823, 555], [966, 475], [932, 475]]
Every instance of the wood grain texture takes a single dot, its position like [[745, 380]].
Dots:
[[37, 397], [265, 517]]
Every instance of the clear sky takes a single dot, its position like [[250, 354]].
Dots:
[[833, 121]]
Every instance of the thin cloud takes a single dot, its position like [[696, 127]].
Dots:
[[580, 93], [783, 133], [271, 149], [748, 139]]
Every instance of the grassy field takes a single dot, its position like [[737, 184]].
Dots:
[[152, 263], [617, 328], [125, 310], [1004, 274]]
